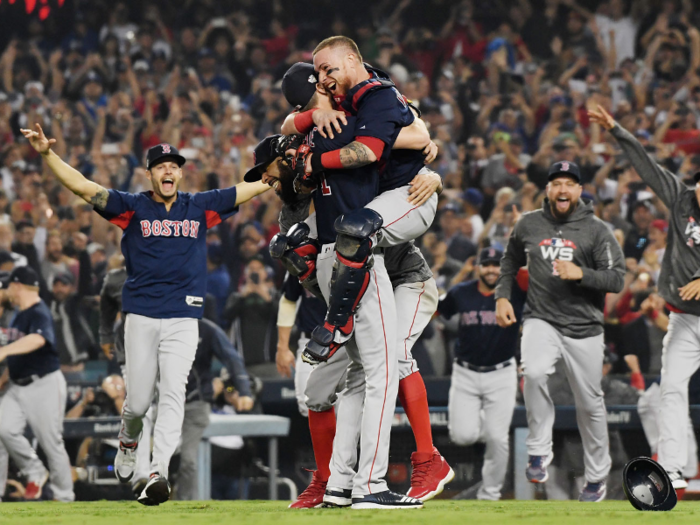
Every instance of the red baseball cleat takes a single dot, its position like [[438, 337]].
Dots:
[[430, 475], [33, 489], [312, 497]]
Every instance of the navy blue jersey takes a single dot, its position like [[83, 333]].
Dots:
[[340, 191], [481, 342], [381, 113], [311, 311], [165, 252], [34, 320]]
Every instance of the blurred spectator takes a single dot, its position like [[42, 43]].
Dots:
[[218, 278]]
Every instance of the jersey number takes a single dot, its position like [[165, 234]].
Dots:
[[325, 188]]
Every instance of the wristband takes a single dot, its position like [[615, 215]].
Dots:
[[329, 161], [304, 122]]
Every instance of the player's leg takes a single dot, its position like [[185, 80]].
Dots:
[[13, 421], [44, 403], [680, 360], [499, 389], [349, 281], [403, 221], [176, 352], [583, 363], [194, 424], [691, 467], [541, 348], [347, 436], [415, 305], [464, 406], [302, 369], [4, 466], [143, 451]]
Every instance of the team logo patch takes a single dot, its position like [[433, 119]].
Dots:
[[312, 79], [565, 166], [166, 148], [557, 248], [692, 231]]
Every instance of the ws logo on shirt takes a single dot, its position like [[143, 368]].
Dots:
[[167, 228], [556, 248]]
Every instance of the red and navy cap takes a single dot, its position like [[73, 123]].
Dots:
[[299, 84], [263, 155], [490, 255], [564, 168], [161, 152]]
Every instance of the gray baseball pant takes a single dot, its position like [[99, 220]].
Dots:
[[542, 346], [194, 424], [143, 449], [480, 409], [162, 351], [375, 329], [42, 404], [679, 361]]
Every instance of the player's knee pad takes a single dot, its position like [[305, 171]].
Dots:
[[355, 231]]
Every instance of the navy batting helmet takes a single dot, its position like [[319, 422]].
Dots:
[[647, 485]]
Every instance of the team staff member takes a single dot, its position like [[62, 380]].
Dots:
[[573, 261], [164, 244], [679, 285], [484, 375], [37, 393]]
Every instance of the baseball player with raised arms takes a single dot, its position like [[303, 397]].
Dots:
[[164, 244], [484, 376], [398, 214], [573, 261], [679, 285], [416, 297]]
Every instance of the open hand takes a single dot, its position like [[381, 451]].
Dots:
[[422, 188], [602, 117], [430, 152], [38, 140], [327, 120], [690, 291]]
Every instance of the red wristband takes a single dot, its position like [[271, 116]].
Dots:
[[331, 160], [304, 122]]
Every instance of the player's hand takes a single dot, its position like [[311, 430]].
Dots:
[[422, 187], [430, 152], [88, 396], [690, 291], [602, 117], [505, 315], [38, 140], [107, 350], [243, 404], [285, 361], [328, 120], [567, 270]]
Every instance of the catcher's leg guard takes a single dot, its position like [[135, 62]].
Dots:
[[298, 253], [349, 282]]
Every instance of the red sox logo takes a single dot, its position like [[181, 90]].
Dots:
[[556, 248], [564, 166], [166, 148]]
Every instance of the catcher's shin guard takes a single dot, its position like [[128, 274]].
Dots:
[[298, 253]]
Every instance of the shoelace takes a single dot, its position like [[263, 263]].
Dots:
[[536, 462], [420, 472], [593, 487], [315, 487]]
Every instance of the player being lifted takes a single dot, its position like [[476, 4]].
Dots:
[[164, 244]]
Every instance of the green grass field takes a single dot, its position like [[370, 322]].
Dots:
[[268, 513]]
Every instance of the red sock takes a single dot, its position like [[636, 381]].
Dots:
[[414, 400], [322, 427]]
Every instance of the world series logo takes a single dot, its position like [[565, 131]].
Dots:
[[557, 248]]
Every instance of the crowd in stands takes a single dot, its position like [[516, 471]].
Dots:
[[503, 85]]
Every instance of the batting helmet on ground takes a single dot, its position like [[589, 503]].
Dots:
[[647, 485]]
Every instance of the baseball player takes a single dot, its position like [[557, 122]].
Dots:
[[573, 261], [396, 215], [165, 250], [679, 285], [484, 375], [37, 393]]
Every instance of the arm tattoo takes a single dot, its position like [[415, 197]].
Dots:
[[99, 201], [354, 155]]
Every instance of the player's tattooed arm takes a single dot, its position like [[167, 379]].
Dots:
[[99, 200], [356, 155]]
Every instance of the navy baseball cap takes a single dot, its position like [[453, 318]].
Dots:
[[299, 84], [473, 197], [4, 280], [564, 169], [263, 155], [161, 152], [490, 255], [24, 275]]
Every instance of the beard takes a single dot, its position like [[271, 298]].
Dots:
[[488, 285], [562, 215]]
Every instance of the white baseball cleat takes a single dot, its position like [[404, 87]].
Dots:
[[125, 462], [677, 480]]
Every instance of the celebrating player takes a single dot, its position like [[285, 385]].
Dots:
[[573, 261], [679, 285], [484, 376], [164, 244]]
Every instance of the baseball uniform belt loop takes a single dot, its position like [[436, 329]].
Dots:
[[483, 369], [24, 381]]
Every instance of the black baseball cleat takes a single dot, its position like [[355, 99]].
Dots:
[[156, 491], [386, 500], [335, 497]]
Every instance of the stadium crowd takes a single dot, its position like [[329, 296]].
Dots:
[[504, 87]]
